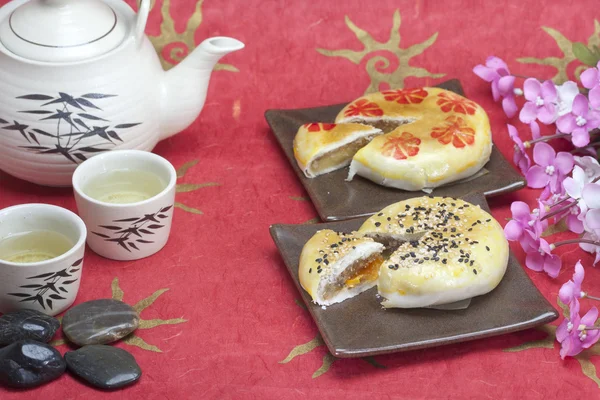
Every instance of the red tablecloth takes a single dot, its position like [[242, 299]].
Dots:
[[222, 318]]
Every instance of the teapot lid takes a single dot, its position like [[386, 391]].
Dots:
[[62, 30]]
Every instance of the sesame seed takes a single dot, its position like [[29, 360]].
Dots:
[[377, 224], [487, 248], [310, 270], [474, 271]]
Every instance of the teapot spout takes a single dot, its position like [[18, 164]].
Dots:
[[185, 85]]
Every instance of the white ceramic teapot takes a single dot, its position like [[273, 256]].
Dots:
[[79, 77]]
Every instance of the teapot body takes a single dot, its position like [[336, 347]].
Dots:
[[62, 103], [54, 117]]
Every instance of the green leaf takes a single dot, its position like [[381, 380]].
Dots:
[[584, 54]]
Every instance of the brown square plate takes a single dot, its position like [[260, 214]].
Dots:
[[336, 199], [360, 327]]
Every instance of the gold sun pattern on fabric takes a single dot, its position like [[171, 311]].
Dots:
[[315, 343], [561, 64], [391, 70], [134, 339], [549, 342], [173, 46], [190, 187]]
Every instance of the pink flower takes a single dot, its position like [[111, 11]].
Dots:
[[590, 79], [520, 156], [551, 168], [579, 121], [566, 94], [541, 258], [572, 289], [590, 166], [590, 248], [591, 198], [573, 221], [574, 188], [525, 226], [535, 130], [573, 333], [496, 72], [541, 102]]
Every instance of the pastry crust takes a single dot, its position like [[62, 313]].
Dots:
[[432, 137], [336, 266], [452, 250], [320, 148]]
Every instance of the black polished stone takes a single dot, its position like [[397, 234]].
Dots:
[[99, 322], [105, 367], [27, 364], [27, 324]]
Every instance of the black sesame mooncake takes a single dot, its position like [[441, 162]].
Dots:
[[447, 250]]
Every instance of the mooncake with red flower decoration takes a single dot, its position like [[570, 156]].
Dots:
[[431, 137], [320, 148]]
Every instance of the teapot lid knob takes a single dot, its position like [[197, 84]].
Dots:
[[62, 30]]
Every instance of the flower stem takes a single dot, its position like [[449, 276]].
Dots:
[[528, 143], [560, 210], [559, 202], [573, 241], [580, 149]]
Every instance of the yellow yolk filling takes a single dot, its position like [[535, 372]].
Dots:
[[369, 272]]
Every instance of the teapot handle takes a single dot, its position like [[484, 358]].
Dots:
[[142, 18]]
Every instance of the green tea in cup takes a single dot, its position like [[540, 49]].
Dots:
[[33, 246], [124, 186]]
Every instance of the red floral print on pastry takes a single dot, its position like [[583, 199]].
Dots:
[[456, 131], [453, 102], [401, 147], [363, 108], [317, 127], [405, 96]]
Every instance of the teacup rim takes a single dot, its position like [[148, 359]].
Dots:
[[75, 248], [114, 153]]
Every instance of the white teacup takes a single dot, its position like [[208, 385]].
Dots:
[[51, 285], [125, 231]]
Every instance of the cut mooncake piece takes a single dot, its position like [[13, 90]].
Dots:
[[337, 266], [432, 137], [320, 148], [448, 250]]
